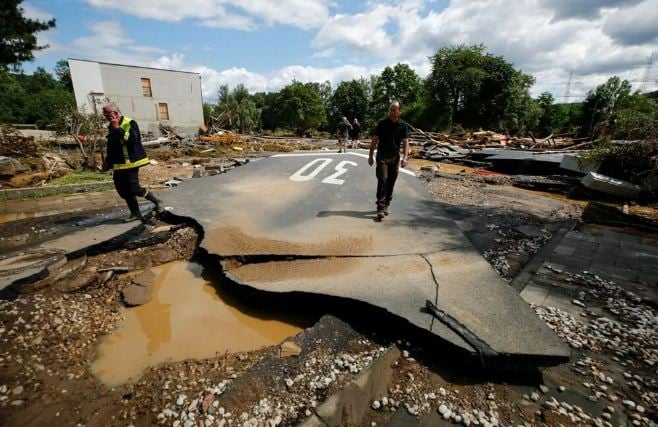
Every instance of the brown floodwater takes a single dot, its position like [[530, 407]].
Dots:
[[185, 319]]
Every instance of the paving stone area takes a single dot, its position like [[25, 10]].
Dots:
[[627, 258]]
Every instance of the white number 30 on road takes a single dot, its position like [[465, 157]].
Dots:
[[302, 175]]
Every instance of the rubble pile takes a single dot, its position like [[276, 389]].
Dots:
[[13, 143], [490, 139], [222, 137], [291, 398]]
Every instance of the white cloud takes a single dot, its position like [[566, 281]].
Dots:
[[33, 12], [172, 62], [109, 43], [633, 25], [211, 79], [616, 39], [363, 31], [545, 38], [325, 53], [243, 15], [44, 38]]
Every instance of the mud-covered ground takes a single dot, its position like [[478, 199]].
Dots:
[[49, 337]]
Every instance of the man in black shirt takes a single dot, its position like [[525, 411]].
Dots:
[[388, 136]]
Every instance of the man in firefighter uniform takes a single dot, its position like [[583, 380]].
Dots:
[[125, 155]]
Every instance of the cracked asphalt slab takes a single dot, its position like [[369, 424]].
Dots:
[[306, 223]]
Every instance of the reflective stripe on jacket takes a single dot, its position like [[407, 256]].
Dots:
[[124, 146]]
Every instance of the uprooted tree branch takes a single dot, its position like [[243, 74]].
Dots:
[[87, 129]]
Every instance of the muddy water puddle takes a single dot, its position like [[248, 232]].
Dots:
[[186, 319]]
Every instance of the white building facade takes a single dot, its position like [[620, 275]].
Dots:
[[150, 96]]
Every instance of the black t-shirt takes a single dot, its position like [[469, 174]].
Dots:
[[390, 136]]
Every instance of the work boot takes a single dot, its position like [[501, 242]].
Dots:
[[135, 214], [159, 206], [380, 214], [386, 211]]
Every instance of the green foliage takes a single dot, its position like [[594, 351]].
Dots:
[[636, 117], [17, 35], [81, 177], [207, 111], [350, 99], [399, 83], [552, 117], [63, 73], [268, 103], [600, 106], [237, 108], [35, 98], [633, 161], [301, 107], [474, 89], [12, 100], [612, 111], [87, 129]]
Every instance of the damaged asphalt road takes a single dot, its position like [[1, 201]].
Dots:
[[372, 369]]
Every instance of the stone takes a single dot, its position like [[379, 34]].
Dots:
[[288, 349], [79, 281], [543, 388], [134, 295], [139, 292], [9, 166]]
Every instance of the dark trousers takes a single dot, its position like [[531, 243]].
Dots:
[[126, 182], [387, 174]]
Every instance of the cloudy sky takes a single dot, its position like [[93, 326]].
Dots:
[[266, 44]]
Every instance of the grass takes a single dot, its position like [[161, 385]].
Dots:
[[81, 177]]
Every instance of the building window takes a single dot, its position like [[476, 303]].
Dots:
[[164, 111], [146, 87]]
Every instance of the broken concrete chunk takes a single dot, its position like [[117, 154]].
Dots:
[[172, 183], [289, 348], [139, 292], [609, 185], [135, 295], [9, 166], [146, 278], [79, 281]]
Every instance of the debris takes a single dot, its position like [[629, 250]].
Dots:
[[10, 167], [289, 348], [115, 269], [172, 183], [609, 185], [13, 143]]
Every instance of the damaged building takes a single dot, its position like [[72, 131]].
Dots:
[[148, 95]]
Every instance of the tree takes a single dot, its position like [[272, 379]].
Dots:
[[399, 83], [12, 100], [63, 73], [87, 129], [611, 110], [17, 35], [350, 99], [237, 110], [475, 89], [270, 112], [301, 107]]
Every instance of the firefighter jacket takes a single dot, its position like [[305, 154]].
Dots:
[[124, 146]]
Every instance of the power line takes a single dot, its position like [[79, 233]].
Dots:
[[644, 83]]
